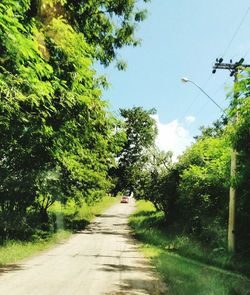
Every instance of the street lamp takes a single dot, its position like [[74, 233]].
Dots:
[[232, 192], [185, 80]]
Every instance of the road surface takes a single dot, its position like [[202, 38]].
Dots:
[[103, 259]]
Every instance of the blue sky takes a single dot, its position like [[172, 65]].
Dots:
[[181, 38]]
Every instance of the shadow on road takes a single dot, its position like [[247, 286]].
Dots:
[[9, 267], [136, 286], [124, 267]]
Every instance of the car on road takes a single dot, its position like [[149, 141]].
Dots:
[[125, 199]]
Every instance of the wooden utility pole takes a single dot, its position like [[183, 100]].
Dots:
[[234, 69]]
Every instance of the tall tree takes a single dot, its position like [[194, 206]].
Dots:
[[107, 25], [57, 138], [140, 129], [158, 182]]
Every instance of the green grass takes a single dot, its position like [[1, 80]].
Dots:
[[83, 210], [75, 217], [12, 251], [89, 212], [184, 265]]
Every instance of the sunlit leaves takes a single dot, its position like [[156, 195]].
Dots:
[[140, 131], [107, 25], [56, 135]]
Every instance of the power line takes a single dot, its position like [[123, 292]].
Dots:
[[233, 68], [199, 112], [236, 31], [225, 51], [247, 52], [196, 97]]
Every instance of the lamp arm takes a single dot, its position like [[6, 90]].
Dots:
[[208, 96]]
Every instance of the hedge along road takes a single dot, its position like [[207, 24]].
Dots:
[[103, 259]]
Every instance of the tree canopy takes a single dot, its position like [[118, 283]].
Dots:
[[58, 140], [140, 130]]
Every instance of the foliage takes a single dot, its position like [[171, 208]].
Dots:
[[240, 138], [75, 216], [58, 141], [185, 265], [70, 216], [216, 130], [12, 251], [204, 179], [158, 182], [140, 131], [107, 25], [194, 191]]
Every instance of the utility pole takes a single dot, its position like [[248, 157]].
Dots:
[[234, 69]]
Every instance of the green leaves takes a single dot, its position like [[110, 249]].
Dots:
[[57, 139], [140, 130], [107, 25], [205, 172]]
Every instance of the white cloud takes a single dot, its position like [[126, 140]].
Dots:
[[190, 119], [172, 136]]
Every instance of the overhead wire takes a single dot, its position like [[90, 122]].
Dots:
[[199, 112], [233, 37], [207, 102], [196, 97], [236, 31], [224, 53], [247, 52]]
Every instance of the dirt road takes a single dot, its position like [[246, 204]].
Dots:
[[103, 259]]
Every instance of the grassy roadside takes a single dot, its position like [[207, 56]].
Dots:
[[76, 218], [12, 251], [182, 263]]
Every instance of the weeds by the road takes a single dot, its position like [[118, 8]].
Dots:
[[75, 217], [13, 251], [71, 216], [185, 265]]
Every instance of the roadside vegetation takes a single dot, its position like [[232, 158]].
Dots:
[[191, 194], [185, 264], [67, 219], [58, 140], [12, 250], [61, 147]]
